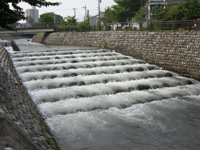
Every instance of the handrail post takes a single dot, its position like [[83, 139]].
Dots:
[[189, 26], [150, 26], [174, 27]]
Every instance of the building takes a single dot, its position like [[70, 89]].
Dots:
[[33, 14], [152, 3], [94, 19]]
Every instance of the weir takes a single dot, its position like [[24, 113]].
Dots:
[[94, 98]]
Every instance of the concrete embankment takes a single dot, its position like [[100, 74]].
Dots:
[[177, 52], [21, 125]]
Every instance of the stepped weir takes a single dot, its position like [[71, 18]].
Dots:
[[93, 98]]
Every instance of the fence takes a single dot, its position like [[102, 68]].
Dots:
[[174, 26], [151, 26], [118, 26]]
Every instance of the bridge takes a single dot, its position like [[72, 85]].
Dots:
[[27, 30], [18, 33]]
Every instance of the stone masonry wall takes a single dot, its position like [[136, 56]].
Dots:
[[21, 125], [73, 38], [177, 51]]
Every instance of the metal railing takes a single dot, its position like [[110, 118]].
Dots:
[[118, 26], [174, 26], [151, 26], [33, 26]]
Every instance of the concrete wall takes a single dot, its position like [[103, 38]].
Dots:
[[21, 125], [177, 52]]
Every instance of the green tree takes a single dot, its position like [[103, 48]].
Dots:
[[126, 9], [109, 16], [140, 16], [181, 11], [165, 12], [192, 9], [158, 12], [58, 18], [70, 21], [84, 25], [121, 13], [10, 15], [49, 17], [188, 10]]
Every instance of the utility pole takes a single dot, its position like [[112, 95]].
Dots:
[[74, 12], [54, 17], [85, 12], [99, 1], [88, 13], [88, 16]]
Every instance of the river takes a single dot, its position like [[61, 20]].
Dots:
[[97, 99]]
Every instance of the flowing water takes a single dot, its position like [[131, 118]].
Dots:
[[97, 99]]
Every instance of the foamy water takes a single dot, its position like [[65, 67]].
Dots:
[[98, 99]]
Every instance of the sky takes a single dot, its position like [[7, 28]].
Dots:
[[67, 7]]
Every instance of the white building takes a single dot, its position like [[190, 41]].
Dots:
[[32, 13]]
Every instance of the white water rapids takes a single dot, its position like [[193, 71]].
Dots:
[[97, 99]]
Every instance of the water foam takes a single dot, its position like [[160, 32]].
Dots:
[[98, 99]]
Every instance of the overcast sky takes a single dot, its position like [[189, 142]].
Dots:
[[66, 8]]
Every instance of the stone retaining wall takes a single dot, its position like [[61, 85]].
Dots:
[[177, 52], [21, 125]]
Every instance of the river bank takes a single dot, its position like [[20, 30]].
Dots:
[[22, 127]]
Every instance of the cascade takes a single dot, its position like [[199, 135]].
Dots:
[[96, 99]]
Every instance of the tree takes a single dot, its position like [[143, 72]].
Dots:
[[126, 9], [49, 18], [109, 16], [85, 25], [140, 16], [188, 10], [181, 11], [192, 9], [70, 21], [158, 12], [10, 12], [122, 14]]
